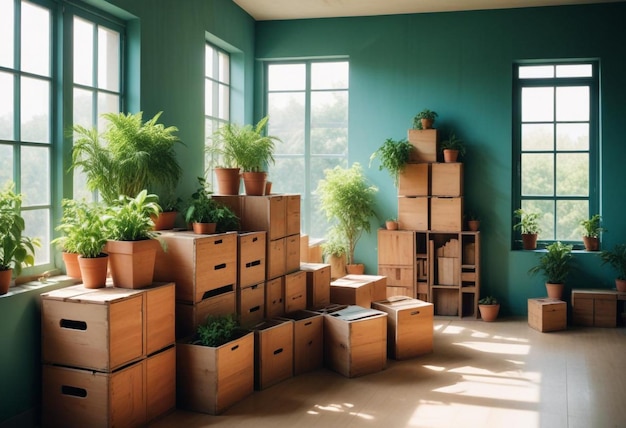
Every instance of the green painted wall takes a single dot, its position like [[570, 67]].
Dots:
[[460, 65]]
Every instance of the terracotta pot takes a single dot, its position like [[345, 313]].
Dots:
[[5, 280], [489, 313], [427, 123], [450, 156], [355, 269], [473, 225], [529, 241], [132, 262], [555, 290], [204, 228], [591, 244], [72, 269], [165, 220], [228, 181], [337, 266], [94, 270], [254, 183], [391, 225], [620, 284], [268, 187]]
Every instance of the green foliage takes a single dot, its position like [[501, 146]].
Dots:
[[453, 143], [16, 250], [84, 228], [528, 222], [130, 219], [202, 208], [424, 114], [591, 227], [335, 244], [225, 218], [128, 156], [217, 330], [555, 263], [348, 202], [393, 156], [616, 258], [488, 300]]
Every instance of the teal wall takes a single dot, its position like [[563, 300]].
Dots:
[[460, 65]]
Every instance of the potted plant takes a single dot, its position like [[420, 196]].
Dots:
[[334, 250], [69, 226], [16, 250], [393, 156], [473, 221], [348, 202], [88, 233], [489, 308], [555, 265], [452, 148], [617, 259], [128, 156], [424, 119], [199, 209], [591, 232], [391, 224], [166, 219], [528, 226]]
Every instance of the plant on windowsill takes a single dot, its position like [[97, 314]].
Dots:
[[528, 226], [393, 156], [555, 265], [424, 119], [616, 257], [591, 231], [489, 308], [452, 148]]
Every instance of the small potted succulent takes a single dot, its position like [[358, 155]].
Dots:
[[489, 308], [424, 119], [452, 148]]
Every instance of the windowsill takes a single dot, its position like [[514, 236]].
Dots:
[[56, 281]]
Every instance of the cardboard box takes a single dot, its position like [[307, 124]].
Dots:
[[266, 213], [293, 214], [317, 284], [594, 308], [414, 180], [547, 314], [275, 297], [409, 326], [189, 316], [360, 290], [446, 214], [251, 304], [413, 213], [292, 253], [295, 291], [424, 142], [210, 380], [447, 179], [197, 264], [251, 258], [273, 352], [276, 258], [308, 341], [355, 340]]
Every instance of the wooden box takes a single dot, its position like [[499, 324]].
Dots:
[[197, 264], [295, 291], [447, 179], [210, 380], [398, 276], [233, 202], [308, 341], [446, 214], [160, 386], [317, 284], [360, 290], [355, 340], [293, 215], [276, 258], [159, 317], [394, 290], [594, 308], [189, 316], [448, 271], [413, 213], [547, 314], [273, 352], [396, 247], [409, 326], [266, 213], [414, 180], [378, 284], [274, 297], [424, 142], [251, 304], [251, 258], [292, 253]]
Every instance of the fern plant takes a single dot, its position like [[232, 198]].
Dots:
[[393, 156], [616, 258], [555, 263], [217, 330]]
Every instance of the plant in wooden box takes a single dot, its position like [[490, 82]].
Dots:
[[452, 148], [215, 368], [617, 259], [528, 226], [393, 156], [424, 119], [16, 250], [591, 232], [132, 242], [348, 202], [555, 265], [334, 250], [489, 308]]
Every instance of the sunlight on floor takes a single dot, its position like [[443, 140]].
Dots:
[[497, 348], [339, 408]]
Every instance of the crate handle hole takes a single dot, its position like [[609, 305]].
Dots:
[[220, 266], [415, 313], [73, 391], [234, 347], [73, 324], [218, 241], [278, 351], [254, 309]]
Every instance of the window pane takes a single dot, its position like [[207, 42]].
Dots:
[[6, 33], [569, 214], [537, 104], [319, 224], [6, 107], [572, 174], [572, 136], [38, 226], [574, 70], [224, 67], [6, 164], [224, 102], [286, 111], [537, 175], [329, 122], [209, 88], [284, 77], [35, 175], [108, 59], [537, 137], [35, 110], [282, 173], [208, 61], [536, 71], [329, 75], [107, 103], [35, 37], [83, 52], [572, 103], [83, 107]]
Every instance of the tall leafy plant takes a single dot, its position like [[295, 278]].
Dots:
[[393, 156]]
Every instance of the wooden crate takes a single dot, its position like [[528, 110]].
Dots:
[[234, 202], [424, 142], [547, 314], [448, 271], [295, 291], [266, 213], [446, 214], [378, 284], [355, 340], [308, 341], [276, 258], [210, 380], [413, 213], [398, 276], [594, 308], [251, 258], [317, 284], [396, 247], [159, 317], [394, 291], [160, 386], [446, 301], [360, 290], [275, 297], [293, 215], [447, 179], [251, 304], [409, 326], [292, 253], [273, 352], [414, 180], [189, 316], [197, 264]]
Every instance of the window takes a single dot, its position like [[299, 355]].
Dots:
[[307, 102], [556, 145]]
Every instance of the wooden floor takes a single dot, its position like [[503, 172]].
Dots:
[[500, 374]]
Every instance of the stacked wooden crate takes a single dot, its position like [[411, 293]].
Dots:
[[251, 277]]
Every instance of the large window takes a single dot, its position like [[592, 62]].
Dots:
[[307, 102], [556, 140]]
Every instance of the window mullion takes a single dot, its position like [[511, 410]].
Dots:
[[307, 146]]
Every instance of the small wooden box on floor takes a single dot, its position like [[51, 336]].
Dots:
[[308, 340], [414, 180], [424, 142], [547, 314], [189, 316], [594, 308], [251, 304], [413, 213], [317, 284], [447, 179], [409, 326], [355, 340], [360, 290], [446, 214], [209, 380], [251, 258], [273, 352]]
